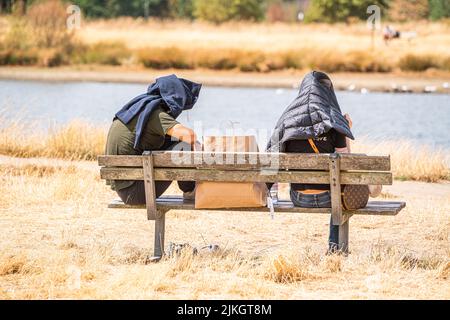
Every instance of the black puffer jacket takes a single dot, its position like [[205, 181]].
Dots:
[[313, 113]]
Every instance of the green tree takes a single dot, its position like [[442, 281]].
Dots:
[[439, 9], [98, 8], [340, 10], [5, 6], [224, 10], [247, 10], [181, 8], [115, 8], [156, 8], [213, 10]]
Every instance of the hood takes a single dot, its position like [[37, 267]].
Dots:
[[314, 112], [172, 93], [178, 94]]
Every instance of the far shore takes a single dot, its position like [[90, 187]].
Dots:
[[430, 82]]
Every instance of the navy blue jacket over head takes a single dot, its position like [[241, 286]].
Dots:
[[172, 93]]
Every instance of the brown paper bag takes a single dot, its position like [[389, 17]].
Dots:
[[215, 195]]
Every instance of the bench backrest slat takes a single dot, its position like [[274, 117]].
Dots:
[[183, 174], [250, 161]]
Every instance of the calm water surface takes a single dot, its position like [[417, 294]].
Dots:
[[422, 118]]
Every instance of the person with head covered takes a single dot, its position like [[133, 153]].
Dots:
[[148, 123], [314, 123]]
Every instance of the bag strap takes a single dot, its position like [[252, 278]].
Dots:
[[316, 150], [313, 145]]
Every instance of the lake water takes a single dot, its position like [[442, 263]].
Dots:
[[421, 118]]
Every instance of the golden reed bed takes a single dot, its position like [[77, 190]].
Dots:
[[244, 47], [265, 47]]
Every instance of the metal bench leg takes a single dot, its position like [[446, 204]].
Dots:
[[338, 218], [160, 226], [343, 237]]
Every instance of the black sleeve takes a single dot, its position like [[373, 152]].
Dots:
[[339, 140]]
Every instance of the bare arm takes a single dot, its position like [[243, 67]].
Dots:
[[348, 149], [184, 134]]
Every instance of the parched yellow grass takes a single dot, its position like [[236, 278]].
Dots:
[[410, 161], [59, 241], [243, 47], [431, 37], [332, 40], [76, 140]]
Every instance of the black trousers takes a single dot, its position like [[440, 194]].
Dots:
[[135, 194]]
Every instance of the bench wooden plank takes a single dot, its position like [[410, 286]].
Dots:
[[335, 190], [149, 185], [312, 177], [379, 208], [250, 161]]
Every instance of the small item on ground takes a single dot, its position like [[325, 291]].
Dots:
[[211, 248], [175, 249]]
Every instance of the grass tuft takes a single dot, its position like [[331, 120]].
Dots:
[[410, 161], [77, 140], [288, 269], [106, 53], [413, 62]]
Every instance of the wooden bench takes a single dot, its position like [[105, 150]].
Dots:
[[333, 169]]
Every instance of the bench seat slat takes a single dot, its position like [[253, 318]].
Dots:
[[312, 177], [379, 208], [249, 161]]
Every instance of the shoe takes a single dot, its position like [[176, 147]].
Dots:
[[355, 196], [375, 191]]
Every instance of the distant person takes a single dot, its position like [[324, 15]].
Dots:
[[313, 123], [389, 33], [147, 123]]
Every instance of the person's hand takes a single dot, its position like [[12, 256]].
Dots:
[[349, 120]]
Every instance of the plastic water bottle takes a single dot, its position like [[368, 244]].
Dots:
[[274, 193]]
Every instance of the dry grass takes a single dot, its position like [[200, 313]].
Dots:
[[246, 47], [329, 47], [410, 161], [76, 140], [60, 241], [432, 37], [103, 53]]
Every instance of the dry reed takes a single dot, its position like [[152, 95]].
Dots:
[[246, 47], [76, 140], [410, 161]]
